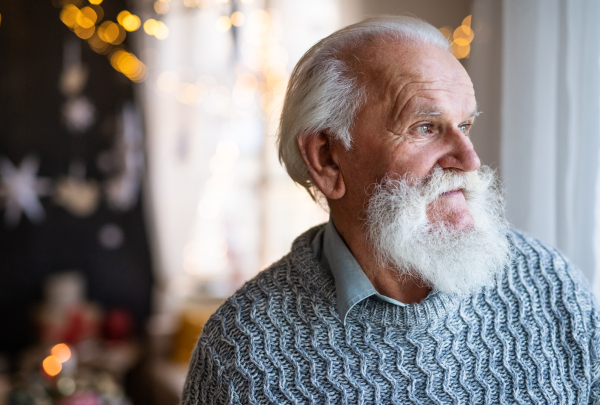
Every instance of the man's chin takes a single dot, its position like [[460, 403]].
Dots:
[[455, 220]]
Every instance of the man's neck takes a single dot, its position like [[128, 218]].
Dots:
[[387, 281]]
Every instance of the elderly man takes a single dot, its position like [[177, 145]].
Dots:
[[416, 291]]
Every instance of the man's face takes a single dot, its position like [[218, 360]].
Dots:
[[419, 110]]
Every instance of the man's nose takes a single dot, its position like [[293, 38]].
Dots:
[[460, 154]]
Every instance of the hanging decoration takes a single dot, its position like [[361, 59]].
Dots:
[[78, 112], [76, 194], [127, 157], [21, 189]]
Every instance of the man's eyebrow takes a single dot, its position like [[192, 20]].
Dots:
[[419, 111], [475, 113]]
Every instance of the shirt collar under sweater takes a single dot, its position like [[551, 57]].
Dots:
[[351, 284]]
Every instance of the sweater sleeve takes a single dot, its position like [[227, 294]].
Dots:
[[206, 382], [595, 358]]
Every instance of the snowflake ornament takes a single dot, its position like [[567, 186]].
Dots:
[[78, 114], [20, 189]]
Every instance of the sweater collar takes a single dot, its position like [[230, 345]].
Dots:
[[351, 284], [321, 281]]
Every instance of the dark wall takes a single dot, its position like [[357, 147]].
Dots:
[[32, 44]]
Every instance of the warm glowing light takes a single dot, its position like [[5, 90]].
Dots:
[[248, 80], [188, 93], [467, 21], [99, 12], [150, 26], [460, 51], [463, 35], [190, 3], [86, 17], [237, 18], [260, 18], [62, 352], [98, 45], [95, 2], [447, 32], [0, 19], [128, 64], [161, 8], [167, 82], [109, 32], [131, 22], [223, 23], [68, 15], [51, 365], [84, 33], [222, 1], [121, 16], [162, 31]]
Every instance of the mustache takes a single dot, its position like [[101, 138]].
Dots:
[[427, 189]]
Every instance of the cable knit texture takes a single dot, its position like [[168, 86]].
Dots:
[[533, 338]]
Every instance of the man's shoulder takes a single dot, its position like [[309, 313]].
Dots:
[[294, 283]]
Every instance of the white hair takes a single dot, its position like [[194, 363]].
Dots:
[[323, 93], [454, 261]]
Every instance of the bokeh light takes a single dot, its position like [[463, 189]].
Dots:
[[128, 64], [62, 352], [162, 31], [84, 33], [98, 45], [167, 82], [238, 18], [150, 26], [463, 35], [447, 32], [161, 7], [68, 15], [52, 365], [460, 38], [260, 19], [223, 23], [86, 17], [131, 22], [99, 12], [467, 21], [460, 51], [121, 16], [96, 2], [110, 32], [190, 3]]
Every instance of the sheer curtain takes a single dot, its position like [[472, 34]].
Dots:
[[549, 121]]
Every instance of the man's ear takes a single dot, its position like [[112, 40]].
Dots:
[[319, 152]]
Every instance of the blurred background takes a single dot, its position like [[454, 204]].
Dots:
[[139, 183]]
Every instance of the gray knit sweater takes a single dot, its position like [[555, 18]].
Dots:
[[534, 338]]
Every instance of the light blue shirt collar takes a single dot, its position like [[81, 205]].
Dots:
[[351, 284]]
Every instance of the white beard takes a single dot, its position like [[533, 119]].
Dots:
[[434, 252]]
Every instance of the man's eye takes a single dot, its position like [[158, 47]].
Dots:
[[464, 128], [424, 129]]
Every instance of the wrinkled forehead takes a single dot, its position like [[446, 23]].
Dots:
[[407, 69]]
